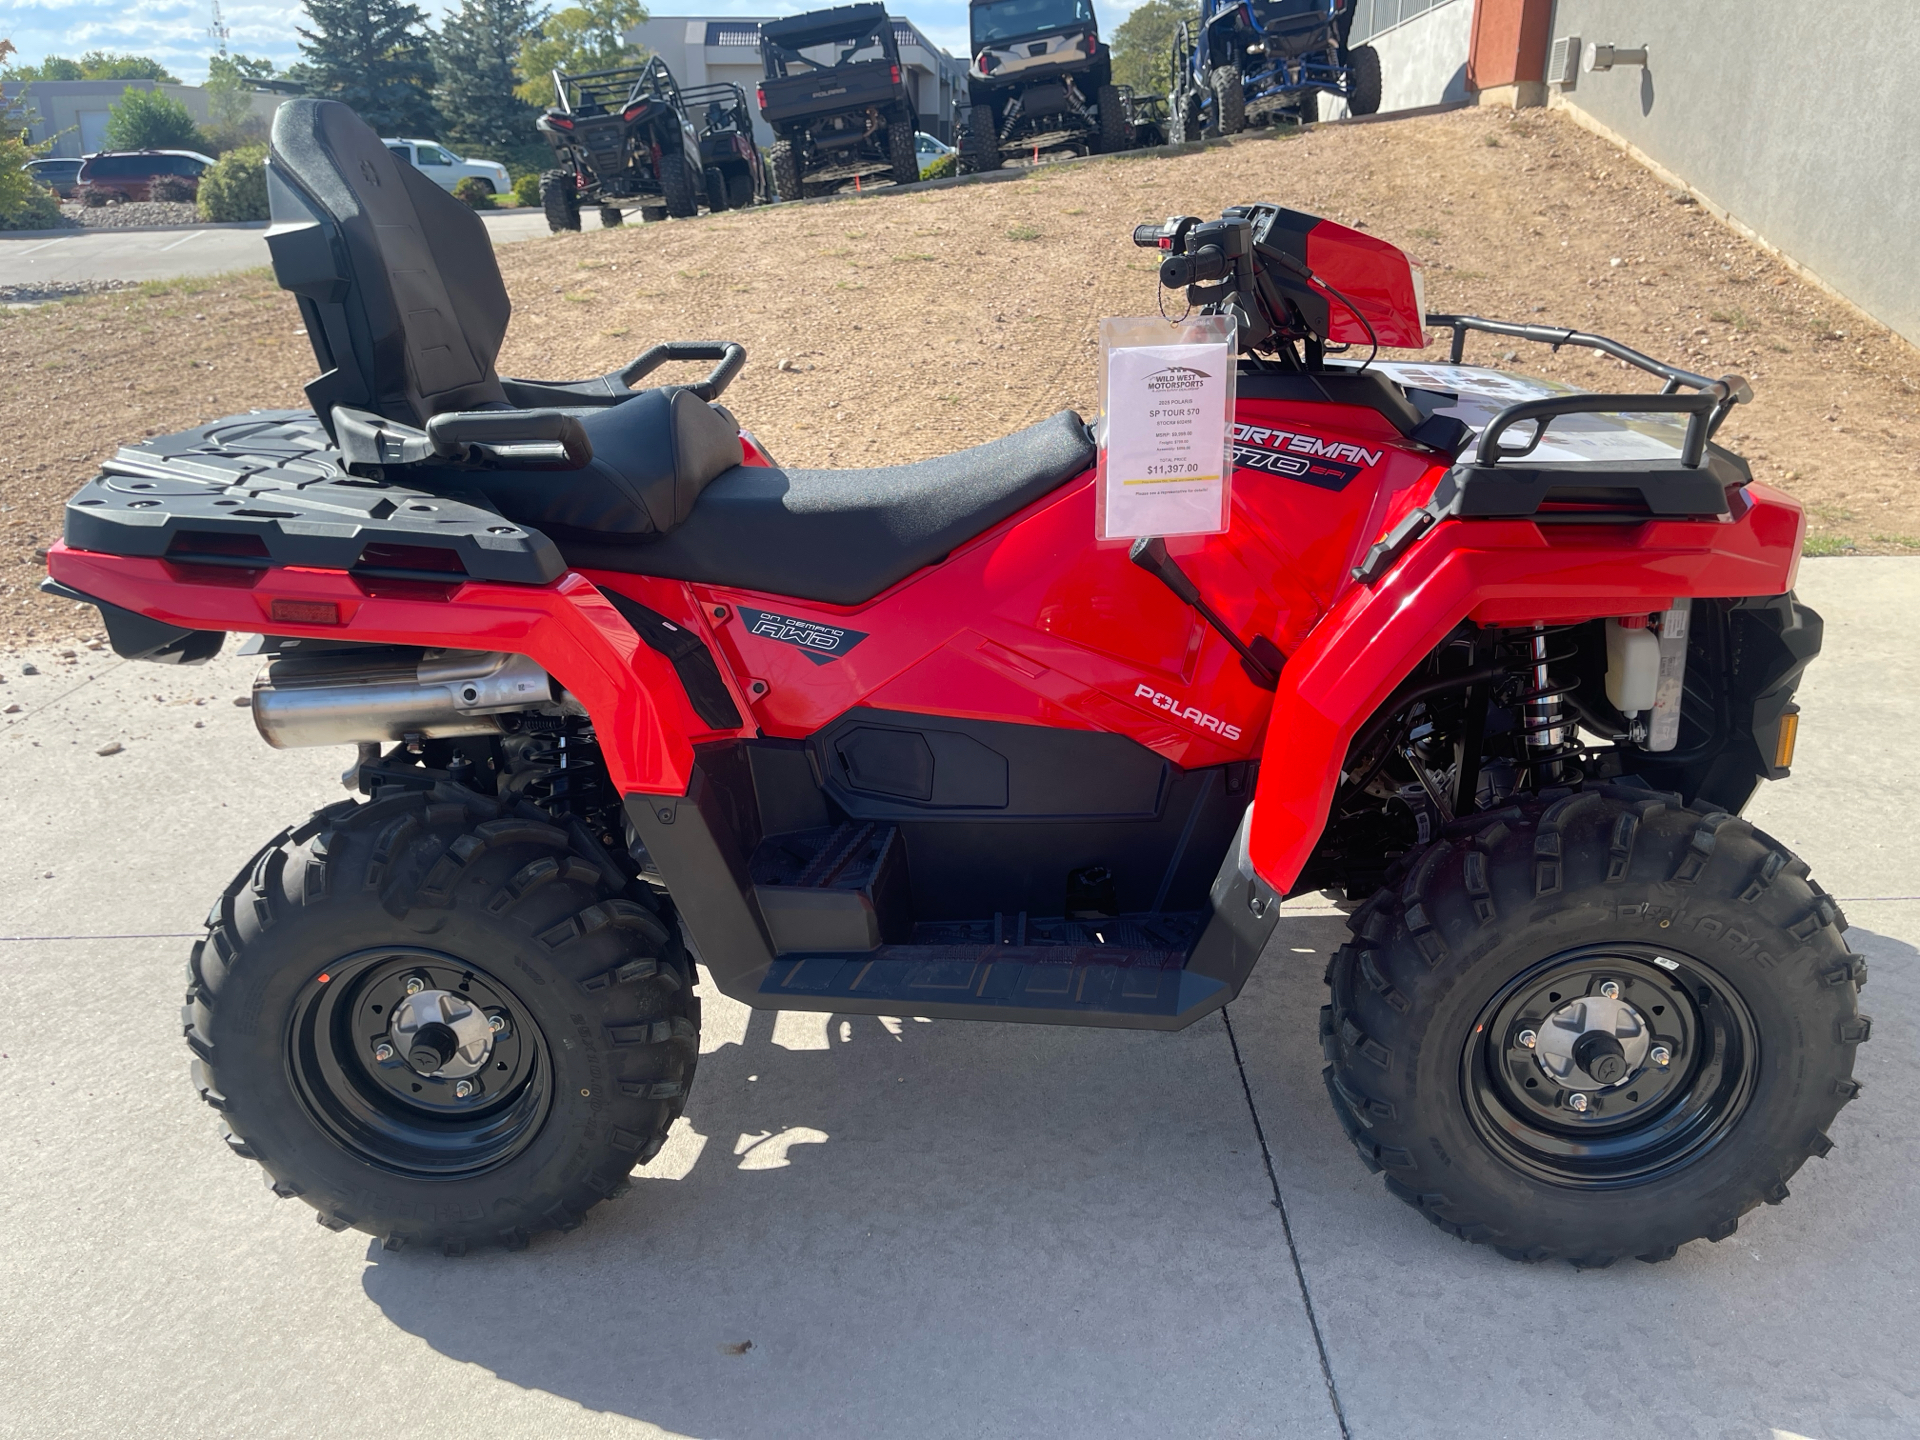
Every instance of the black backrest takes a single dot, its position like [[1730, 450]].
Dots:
[[396, 279]]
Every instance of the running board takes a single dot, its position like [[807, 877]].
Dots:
[[1135, 972]]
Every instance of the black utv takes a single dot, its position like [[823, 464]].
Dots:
[[837, 100], [1040, 80], [623, 137], [730, 162]]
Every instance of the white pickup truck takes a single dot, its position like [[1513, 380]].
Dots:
[[447, 169]]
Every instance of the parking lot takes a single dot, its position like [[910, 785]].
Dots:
[[892, 1227]]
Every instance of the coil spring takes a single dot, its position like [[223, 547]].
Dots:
[[561, 770], [1551, 750]]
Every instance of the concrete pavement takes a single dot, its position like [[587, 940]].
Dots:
[[924, 1229], [43, 258]]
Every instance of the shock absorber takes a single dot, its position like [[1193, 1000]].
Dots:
[[1548, 735]]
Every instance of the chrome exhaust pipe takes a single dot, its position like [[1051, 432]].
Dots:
[[366, 697]]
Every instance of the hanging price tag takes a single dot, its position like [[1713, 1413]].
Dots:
[[1166, 449]]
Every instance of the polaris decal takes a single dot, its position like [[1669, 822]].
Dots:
[[820, 642], [1188, 713], [1329, 464]]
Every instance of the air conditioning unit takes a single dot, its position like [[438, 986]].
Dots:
[[1563, 62]]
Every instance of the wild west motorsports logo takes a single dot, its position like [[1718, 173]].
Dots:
[[820, 642], [1177, 378], [1330, 464]]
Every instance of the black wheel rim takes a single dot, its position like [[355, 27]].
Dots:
[[483, 1103], [1543, 1113]]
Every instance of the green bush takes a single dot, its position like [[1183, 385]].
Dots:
[[939, 169], [236, 187], [476, 192], [151, 120], [175, 189], [526, 190]]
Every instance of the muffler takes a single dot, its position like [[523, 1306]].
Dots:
[[347, 697]]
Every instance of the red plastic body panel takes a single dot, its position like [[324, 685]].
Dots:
[[1036, 622], [1377, 277]]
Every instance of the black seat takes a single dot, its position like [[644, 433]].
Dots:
[[843, 536]]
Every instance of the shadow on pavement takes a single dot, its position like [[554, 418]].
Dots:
[[921, 1228]]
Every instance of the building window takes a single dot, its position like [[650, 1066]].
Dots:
[[903, 36], [733, 32]]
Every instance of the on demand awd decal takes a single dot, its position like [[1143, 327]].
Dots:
[[1330, 464], [821, 642]]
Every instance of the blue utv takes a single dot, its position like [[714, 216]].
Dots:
[[1254, 62]]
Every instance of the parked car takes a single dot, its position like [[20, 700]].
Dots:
[[447, 169], [62, 176], [129, 174], [930, 151]]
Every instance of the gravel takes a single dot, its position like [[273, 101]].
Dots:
[[60, 290], [130, 214]]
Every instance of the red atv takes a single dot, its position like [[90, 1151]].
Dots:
[[1498, 660]]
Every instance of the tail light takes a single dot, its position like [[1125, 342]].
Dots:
[[760, 95], [989, 62], [560, 122], [896, 74], [1093, 43], [635, 111]]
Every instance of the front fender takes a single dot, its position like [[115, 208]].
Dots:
[[1492, 572]]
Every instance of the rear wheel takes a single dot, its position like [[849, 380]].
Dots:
[[1306, 108], [1181, 124], [786, 170], [1592, 1028], [740, 189], [902, 153], [439, 1022], [1364, 81], [610, 216], [716, 188], [561, 200], [676, 187], [979, 141], [1115, 133], [1229, 102]]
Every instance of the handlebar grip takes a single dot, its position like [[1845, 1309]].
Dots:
[[1148, 237], [1209, 262]]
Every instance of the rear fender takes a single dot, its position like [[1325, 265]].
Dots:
[[640, 711], [1493, 572]]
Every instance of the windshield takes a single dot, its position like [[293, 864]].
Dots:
[[844, 50], [1009, 19]]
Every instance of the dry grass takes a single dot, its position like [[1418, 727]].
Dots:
[[917, 324]]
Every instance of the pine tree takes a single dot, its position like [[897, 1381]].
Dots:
[[475, 53], [371, 55]]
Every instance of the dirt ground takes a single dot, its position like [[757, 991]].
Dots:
[[897, 327]]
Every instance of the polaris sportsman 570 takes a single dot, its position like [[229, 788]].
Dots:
[[1499, 660]]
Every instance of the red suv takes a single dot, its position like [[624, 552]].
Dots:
[[129, 174]]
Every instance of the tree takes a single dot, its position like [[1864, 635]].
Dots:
[[98, 65], [1143, 45], [151, 120], [476, 53], [588, 36], [370, 55], [230, 86], [25, 204]]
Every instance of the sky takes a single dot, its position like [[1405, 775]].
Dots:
[[175, 31]]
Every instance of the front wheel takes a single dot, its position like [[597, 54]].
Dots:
[[716, 189], [610, 216], [1364, 81], [676, 187], [438, 1021], [1229, 102], [1593, 1028]]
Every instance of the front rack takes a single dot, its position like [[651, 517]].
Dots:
[[1705, 411]]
